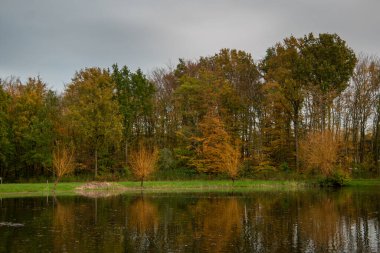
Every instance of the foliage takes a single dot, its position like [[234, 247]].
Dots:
[[63, 161], [6, 147], [31, 114], [134, 94], [215, 150], [143, 162], [92, 116], [286, 65], [337, 179], [206, 116], [166, 159], [320, 151]]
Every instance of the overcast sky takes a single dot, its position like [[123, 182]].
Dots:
[[55, 38]]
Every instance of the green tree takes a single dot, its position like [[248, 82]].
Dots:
[[93, 114], [32, 121], [6, 147], [285, 65], [331, 64], [135, 95], [242, 108]]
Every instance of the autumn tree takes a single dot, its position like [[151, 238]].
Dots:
[[285, 65], [143, 162], [216, 152], [92, 115], [242, 109], [277, 142], [31, 114], [319, 151], [63, 161], [364, 90]]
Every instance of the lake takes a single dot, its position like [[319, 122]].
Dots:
[[344, 220]]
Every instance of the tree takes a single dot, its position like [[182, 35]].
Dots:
[[143, 162], [231, 157], [32, 113], [6, 147], [134, 93], [330, 65], [241, 109], [63, 162], [216, 152], [364, 90], [92, 115], [167, 115], [285, 65], [319, 151]]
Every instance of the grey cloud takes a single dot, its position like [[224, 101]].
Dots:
[[56, 38]]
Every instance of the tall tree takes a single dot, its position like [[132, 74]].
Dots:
[[135, 95], [238, 69], [331, 64], [285, 65], [93, 114], [215, 149], [6, 147], [364, 90], [32, 115]]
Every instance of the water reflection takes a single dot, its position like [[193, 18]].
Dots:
[[304, 221]]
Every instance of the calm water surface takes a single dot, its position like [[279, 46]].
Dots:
[[266, 221]]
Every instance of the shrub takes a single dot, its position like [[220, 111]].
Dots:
[[320, 151], [337, 179]]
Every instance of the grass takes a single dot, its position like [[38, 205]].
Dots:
[[43, 189], [364, 182]]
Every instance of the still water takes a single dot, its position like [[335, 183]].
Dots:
[[266, 221]]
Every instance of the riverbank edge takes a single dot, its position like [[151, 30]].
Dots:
[[43, 189]]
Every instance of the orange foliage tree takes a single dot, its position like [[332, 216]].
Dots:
[[63, 162], [143, 162], [319, 150], [216, 150]]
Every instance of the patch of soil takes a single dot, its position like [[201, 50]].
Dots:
[[97, 186], [100, 189]]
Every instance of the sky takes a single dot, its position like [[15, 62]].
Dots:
[[55, 38]]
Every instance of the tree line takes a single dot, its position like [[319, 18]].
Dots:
[[311, 105]]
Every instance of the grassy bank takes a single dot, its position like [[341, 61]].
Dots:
[[189, 185]]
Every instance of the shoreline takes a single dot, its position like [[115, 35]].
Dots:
[[244, 185]]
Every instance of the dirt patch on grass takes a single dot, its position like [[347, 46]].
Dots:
[[100, 189], [97, 186]]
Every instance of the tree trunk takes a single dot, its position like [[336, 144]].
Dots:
[[55, 185], [362, 143], [142, 182], [96, 163], [126, 153], [296, 140]]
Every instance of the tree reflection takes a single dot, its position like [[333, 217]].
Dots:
[[63, 225], [142, 224], [215, 224], [267, 221]]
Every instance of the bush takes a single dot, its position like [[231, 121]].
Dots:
[[337, 179]]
